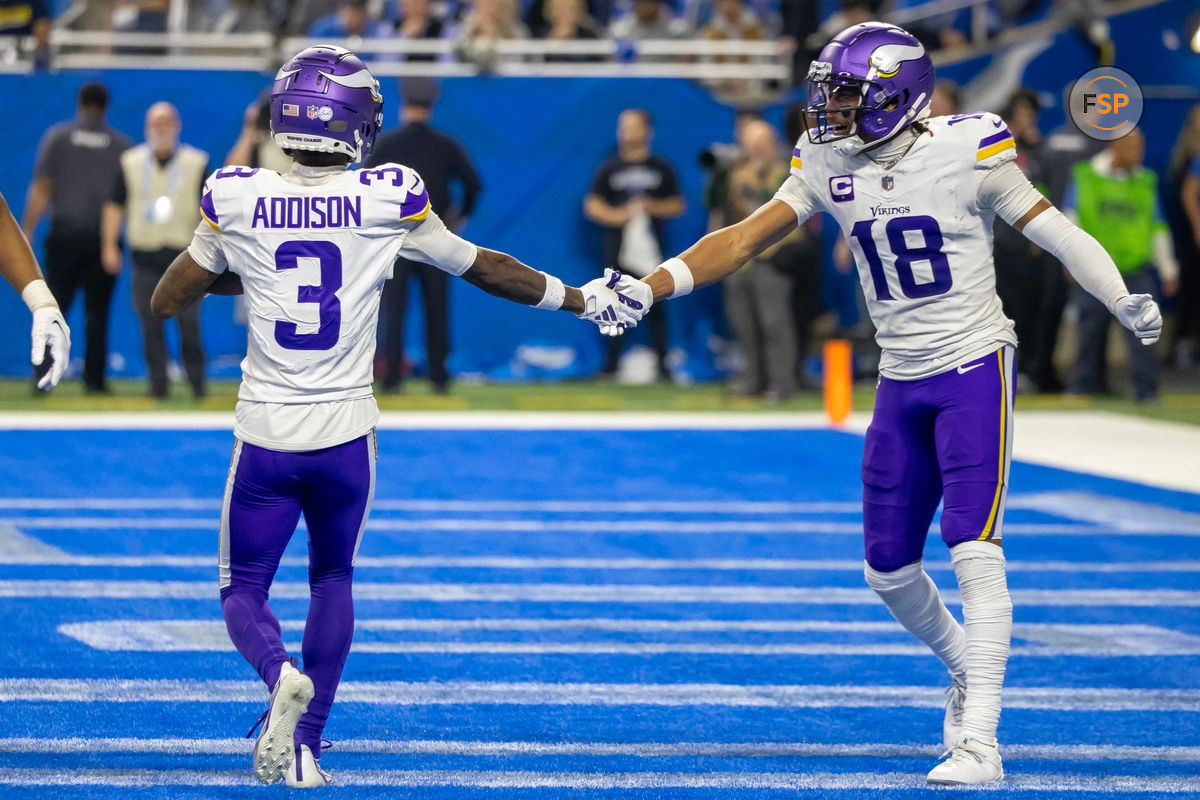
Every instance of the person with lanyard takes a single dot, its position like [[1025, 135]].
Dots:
[[156, 194], [1115, 199], [72, 177]]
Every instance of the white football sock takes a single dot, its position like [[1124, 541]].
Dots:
[[911, 596], [987, 614]]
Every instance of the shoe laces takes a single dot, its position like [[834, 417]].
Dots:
[[261, 719]]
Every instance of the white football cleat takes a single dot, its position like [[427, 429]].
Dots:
[[970, 762], [956, 695], [305, 772], [275, 749]]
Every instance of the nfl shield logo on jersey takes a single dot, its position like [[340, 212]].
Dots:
[[888, 183]]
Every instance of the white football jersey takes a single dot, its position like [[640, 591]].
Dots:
[[921, 240], [313, 248]]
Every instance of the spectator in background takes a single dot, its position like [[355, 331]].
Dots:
[[255, 147], [850, 12], [758, 296], [632, 195], [567, 20], [1115, 199], [27, 18], [76, 164], [352, 18], [1064, 147], [946, 100], [649, 19], [156, 194], [440, 161], [733, 21], [139, 16], [237, 16], [488, 23], [1022, 268], [1183, 217], [799, 21], [418, 22]]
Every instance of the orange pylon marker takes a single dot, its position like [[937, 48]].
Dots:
[[839, 378]]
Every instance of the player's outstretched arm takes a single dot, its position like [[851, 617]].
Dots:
[[717, 255], [185, 282], [1006, 189], [20, 269]]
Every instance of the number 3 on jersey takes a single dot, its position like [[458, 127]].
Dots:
[[325, 295], [905, 254]]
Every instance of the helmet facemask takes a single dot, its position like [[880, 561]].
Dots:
[[837, 103]]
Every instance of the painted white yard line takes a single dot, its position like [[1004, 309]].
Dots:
[[521, 563], [589, 593], [1154, 786], [596, 525], [477, 748], [398, 693], [1128, 516], [455, 506], [1030, 639]]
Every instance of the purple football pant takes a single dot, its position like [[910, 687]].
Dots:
[[948, 437], [266, 492]]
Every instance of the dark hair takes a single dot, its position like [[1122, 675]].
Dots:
[[644, 114], [93, 95], [313, 158], [1022, 96]]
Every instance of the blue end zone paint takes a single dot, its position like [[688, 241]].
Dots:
[[697, 467]]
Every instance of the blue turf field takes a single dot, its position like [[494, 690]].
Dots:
[[550, 614]]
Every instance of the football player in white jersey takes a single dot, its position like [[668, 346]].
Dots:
[[915, 198], [311, 250]]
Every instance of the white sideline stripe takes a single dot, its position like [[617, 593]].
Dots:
[[619, 564], [399, 693], [526, 779], [589, 593], [602, 526], [1031, 640], [443, 420], [240, 746]]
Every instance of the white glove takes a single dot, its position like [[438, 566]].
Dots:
[[600, 305], [49, 328], [1139, 313], [636, 295]]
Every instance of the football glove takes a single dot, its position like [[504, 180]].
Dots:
[[50, 331], [600, 305], [1139, 313]]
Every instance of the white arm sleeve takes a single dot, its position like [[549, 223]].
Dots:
[[796, 194], [433, 243], [206, 249], [1089, 264], [1007, 190]]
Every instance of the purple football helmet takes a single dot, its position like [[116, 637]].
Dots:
[[873, 79], [325, 99]]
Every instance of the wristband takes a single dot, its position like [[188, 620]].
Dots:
[[554, 295], [681, 275], [36, 294]]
